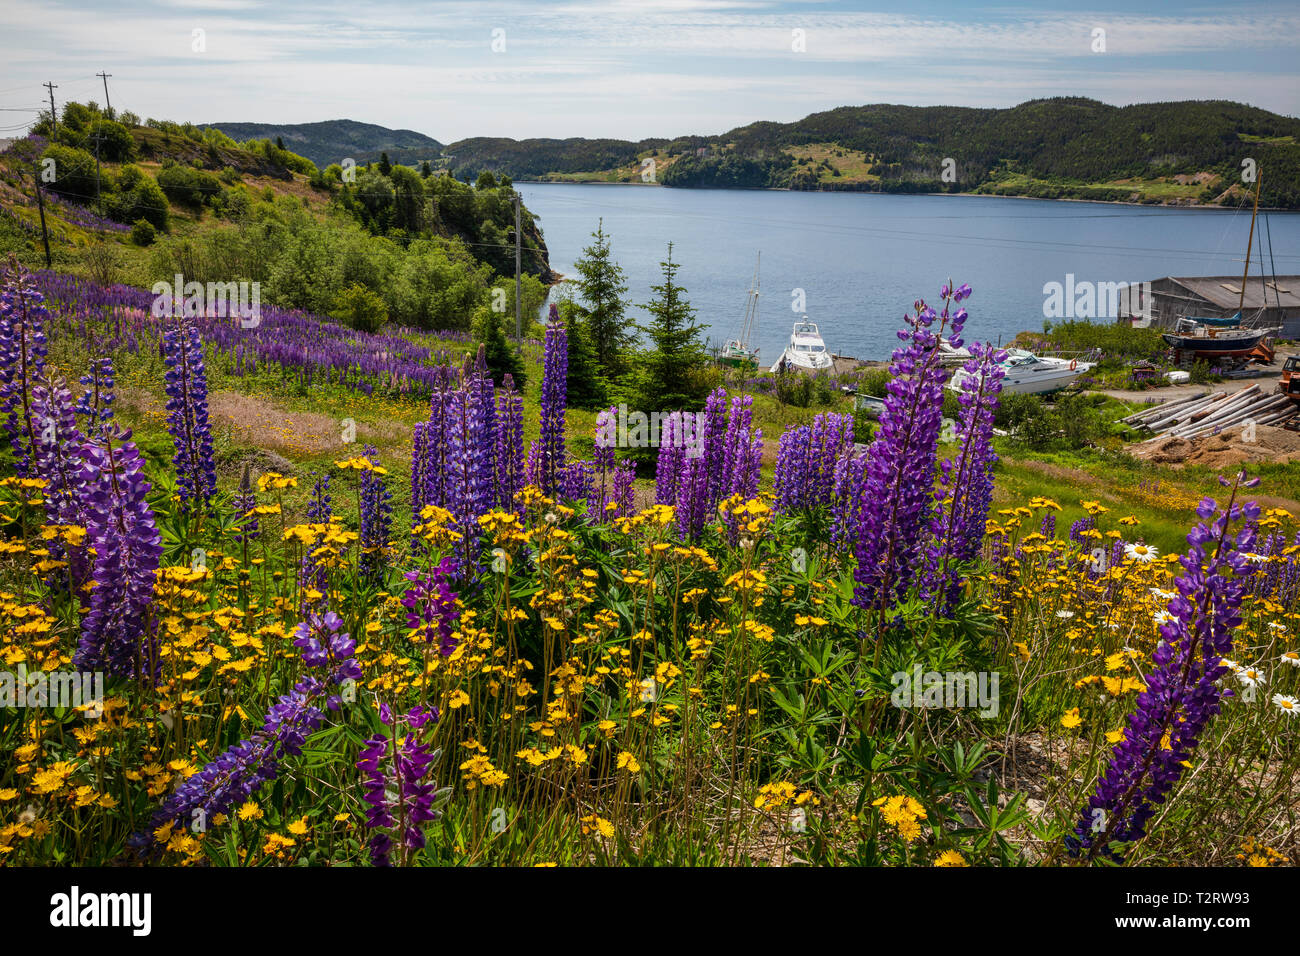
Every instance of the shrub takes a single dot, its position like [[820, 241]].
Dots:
[[143, 232], [361, 309]]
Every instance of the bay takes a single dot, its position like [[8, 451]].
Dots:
[[861, 260]]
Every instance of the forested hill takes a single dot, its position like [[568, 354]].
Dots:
[[332, 141], [1184, 153]]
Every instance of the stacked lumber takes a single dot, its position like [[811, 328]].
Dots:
[[1204, 413]]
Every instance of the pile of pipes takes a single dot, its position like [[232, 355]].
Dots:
[[1203, 413]]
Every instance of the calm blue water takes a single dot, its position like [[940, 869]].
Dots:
[[862, 260]]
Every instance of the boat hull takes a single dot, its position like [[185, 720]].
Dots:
[[1217, 346], [802, 362]]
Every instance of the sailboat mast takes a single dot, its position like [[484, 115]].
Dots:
[[751, 307], [1241, 302]]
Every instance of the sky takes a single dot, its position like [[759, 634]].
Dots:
[[627, 68]]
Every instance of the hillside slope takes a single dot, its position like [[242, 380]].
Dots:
[[332, 141]]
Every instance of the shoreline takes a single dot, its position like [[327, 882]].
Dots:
[[873, 192]]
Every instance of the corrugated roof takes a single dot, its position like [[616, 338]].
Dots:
[[1225, 291]]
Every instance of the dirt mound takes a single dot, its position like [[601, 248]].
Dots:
[[1235, 445]]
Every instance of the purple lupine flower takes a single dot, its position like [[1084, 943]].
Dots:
[[96, 402], [318, 504], [896, 489], [1182, 692], [555, 373], [431, 606], [693, 501], [622, 496], [187, 416], [401, 798], [533, 467], [846, 507], [56, 455], [479, 381], [376, 504], [419, 462], [1086, 523], [510, 443], [966, 489], [469, 487], [806, 462], [710, 432], [117, 633], [672, 451], [57, 460], [241, 770], [575, 481], [434, 471], [23, 349]]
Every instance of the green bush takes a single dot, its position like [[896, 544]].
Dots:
[[361, 309], [143, 232], [73, 170], [188, 186]]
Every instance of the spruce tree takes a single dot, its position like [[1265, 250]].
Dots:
[[669, 379], [586, 386], [385, 166], [602, 287], [501, 357]]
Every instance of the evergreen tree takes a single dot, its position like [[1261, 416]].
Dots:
[[501, 357], [602, 286], [670, 378], [385, 166], [426, 170], [586, 386], [279, 143]]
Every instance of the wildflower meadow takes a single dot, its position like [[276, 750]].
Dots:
[[503, 652]]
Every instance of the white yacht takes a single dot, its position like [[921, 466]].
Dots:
[[1028, 373], [806, 349]]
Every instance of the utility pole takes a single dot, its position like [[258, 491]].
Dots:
[[107, 103], [40, 202], [519, 315], [54, 116], [97, 206]]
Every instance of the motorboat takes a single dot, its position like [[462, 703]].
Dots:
[[1030, 374], [806, 349], [951, 356]]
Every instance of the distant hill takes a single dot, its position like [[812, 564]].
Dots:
[[1066, 147], [332, 141], [1182, 153]]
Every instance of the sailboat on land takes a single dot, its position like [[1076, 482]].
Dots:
[[737, 352], [1200, 337]]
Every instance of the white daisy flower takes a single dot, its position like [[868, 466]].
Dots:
[[1251, 677], [1163, 595], [1254, 557], [1162, 617], [1287, 704], [1065, 615], [1142, 553], [1290, 657], [1277, 626]]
